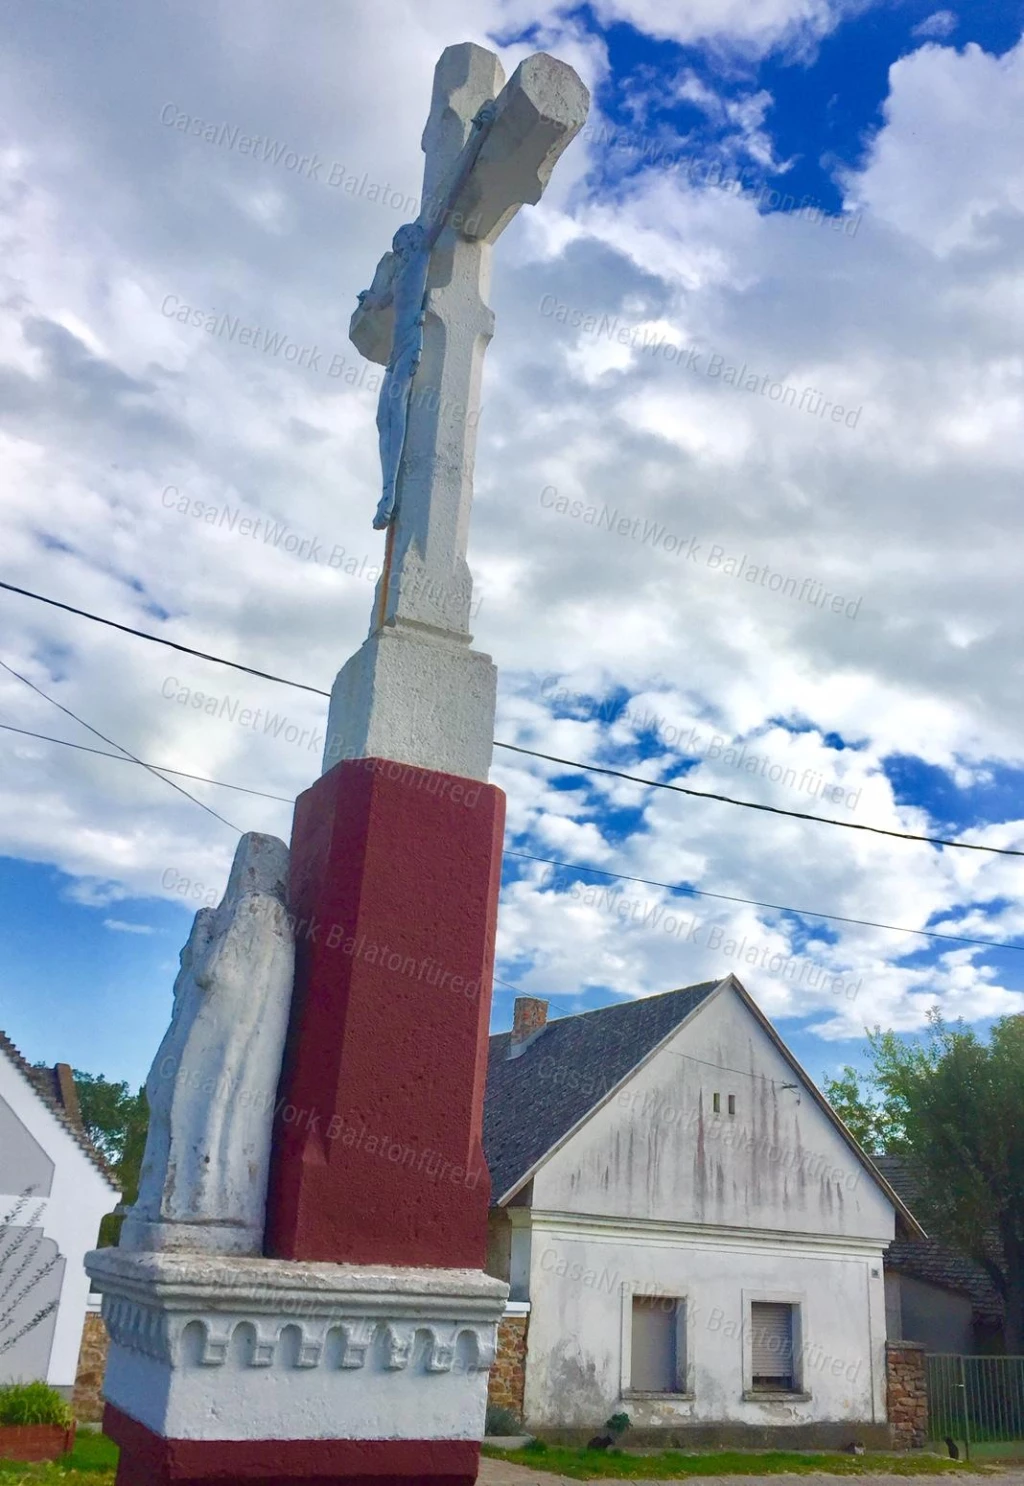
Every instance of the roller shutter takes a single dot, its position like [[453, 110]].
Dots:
[[771, 1344]]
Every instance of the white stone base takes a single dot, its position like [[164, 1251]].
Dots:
[[417, 696], [190, 1238], [207, 1347]]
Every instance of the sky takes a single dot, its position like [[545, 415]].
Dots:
[[746, 493]]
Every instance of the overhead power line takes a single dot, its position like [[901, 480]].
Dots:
[[128, 754], [696, 892], [142, 634], [699, 794], [157, 768], [548, 861], [703, 794]]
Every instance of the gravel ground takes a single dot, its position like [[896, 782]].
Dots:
[[501, 1473]]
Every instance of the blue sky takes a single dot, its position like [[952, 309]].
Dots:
[[887, 285]]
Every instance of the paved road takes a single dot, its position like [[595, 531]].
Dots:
[[500, 1473]]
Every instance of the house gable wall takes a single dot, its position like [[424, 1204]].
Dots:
[[656, 1194], [25, 1163], [657, 1149], [77, 1198]]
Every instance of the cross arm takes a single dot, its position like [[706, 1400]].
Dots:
[[537, 114]]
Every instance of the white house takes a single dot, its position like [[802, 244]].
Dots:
[[44, 1151], [691, 1235]]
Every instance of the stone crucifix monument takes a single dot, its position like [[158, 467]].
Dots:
[[300, 1295]]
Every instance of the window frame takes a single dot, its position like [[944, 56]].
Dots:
[[684, 1342], [797, 1302]]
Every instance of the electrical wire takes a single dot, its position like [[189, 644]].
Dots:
[[114, 744], [158, 768], [161, 769], [700, 794], [697, 892], [679, 789], [160, 639]]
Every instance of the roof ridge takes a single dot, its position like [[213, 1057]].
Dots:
[[77, 1134], [616, 1005]]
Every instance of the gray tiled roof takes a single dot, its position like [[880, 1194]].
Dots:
[[47, 1086], [536, 1099], [928, 1259]]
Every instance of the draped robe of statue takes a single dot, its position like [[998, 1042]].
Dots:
[[213, 1084]]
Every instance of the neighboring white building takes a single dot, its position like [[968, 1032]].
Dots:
[[697, 1235], [43, 1148]]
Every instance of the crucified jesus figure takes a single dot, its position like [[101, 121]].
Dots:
[[401, 283], [406, 291]]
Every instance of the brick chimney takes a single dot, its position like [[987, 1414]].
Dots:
[[528, 1021], [68, 1093]]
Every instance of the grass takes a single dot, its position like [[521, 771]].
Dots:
[[32, 1403], [93, 1462], [670, 1465]]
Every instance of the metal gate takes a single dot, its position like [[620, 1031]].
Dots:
[[978, 1402]]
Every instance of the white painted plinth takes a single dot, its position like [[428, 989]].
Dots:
[[418, 697], [210, 1347]]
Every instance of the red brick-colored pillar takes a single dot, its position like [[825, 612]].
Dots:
[[906, 1394], [506, 1385], [378, 1156]]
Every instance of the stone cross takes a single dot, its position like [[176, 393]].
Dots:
[[482, 164], [490, 148]]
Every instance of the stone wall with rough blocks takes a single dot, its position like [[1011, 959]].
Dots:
[[508, 1374], [907, 1394], [92, 1361]]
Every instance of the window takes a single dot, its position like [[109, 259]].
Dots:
[[657, 1344], [732, 1104], [771, 1346], [716, 1103]]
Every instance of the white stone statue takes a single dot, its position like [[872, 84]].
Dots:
[[400, 284], [415, 692], [405, 287], [213, 1084]]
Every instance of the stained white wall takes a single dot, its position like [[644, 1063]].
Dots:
[[584, 1276], [657, 1150], [78, 1198], [658, 1194]]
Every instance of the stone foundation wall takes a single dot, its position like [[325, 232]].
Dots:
[[508, 1375], [87, 1402], [906, 1394]]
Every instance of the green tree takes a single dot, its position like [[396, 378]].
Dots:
[[116, 1122], [858, 1114], [955, 1105]]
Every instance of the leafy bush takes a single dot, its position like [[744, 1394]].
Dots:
[[502, 1421], [32, 1403]]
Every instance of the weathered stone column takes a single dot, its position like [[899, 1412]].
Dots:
[[906, 1394]]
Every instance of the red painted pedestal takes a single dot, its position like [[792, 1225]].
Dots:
[[378, 1156], [149, 1460]]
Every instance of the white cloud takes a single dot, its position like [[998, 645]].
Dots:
[[940, 23], [753, 27], [108, 402], [120, 927], [947, 170]]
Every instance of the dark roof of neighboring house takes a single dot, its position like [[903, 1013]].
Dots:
[[533, 1101], [929, 1260], [56, 1089]]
